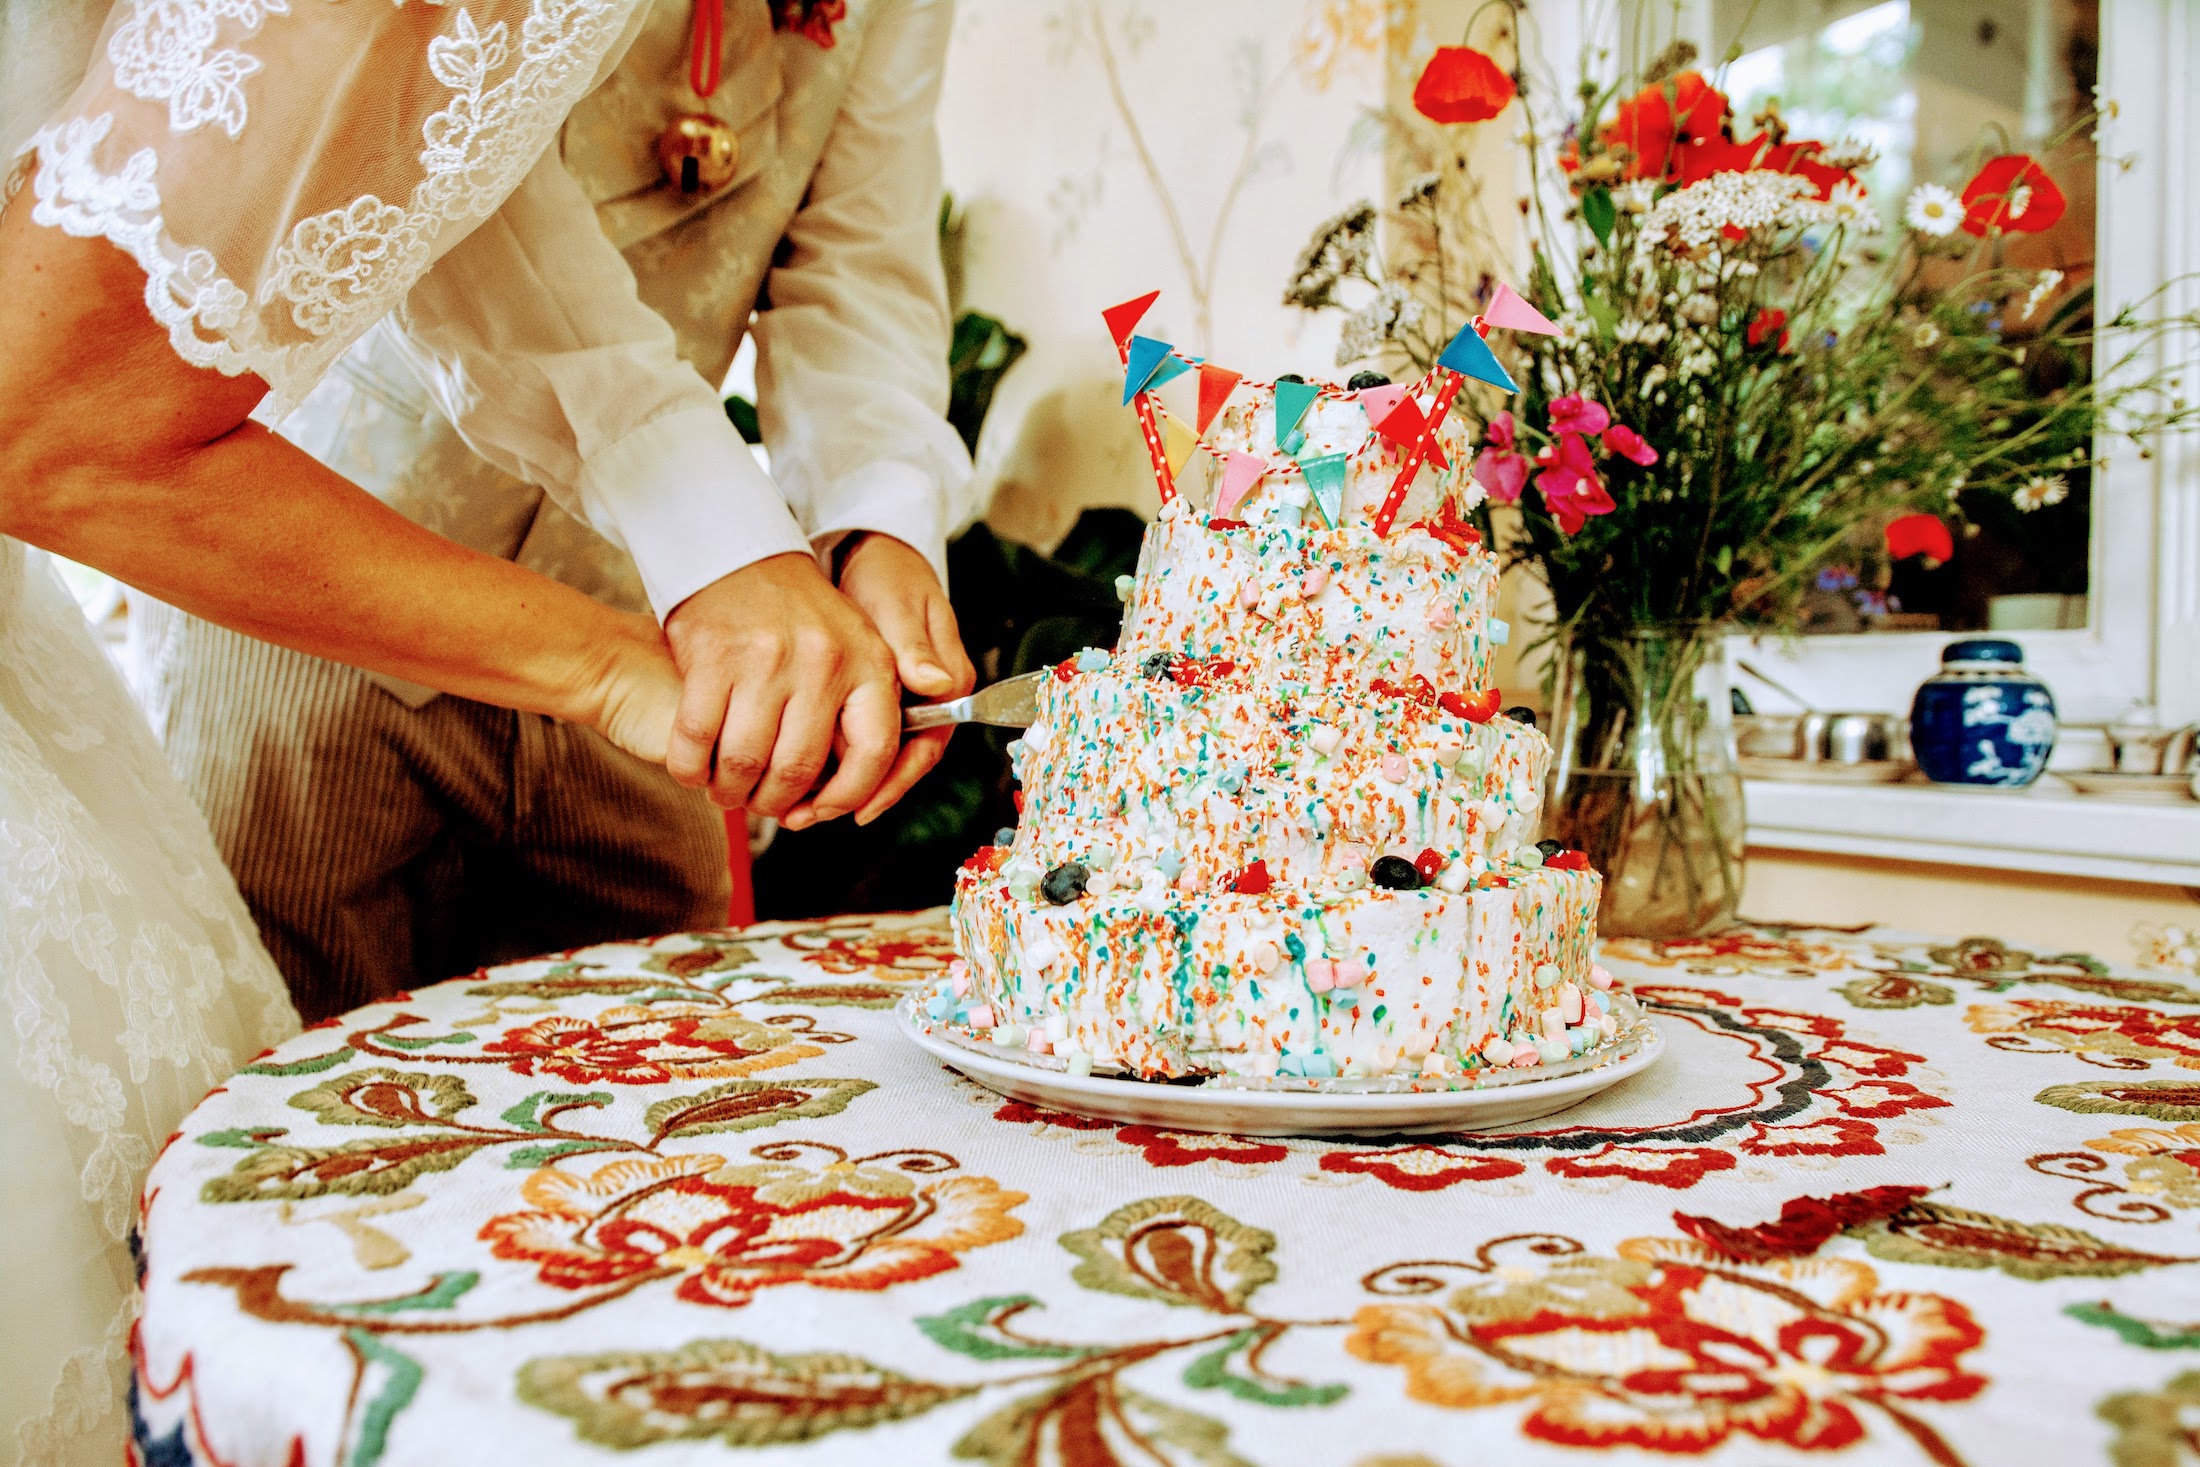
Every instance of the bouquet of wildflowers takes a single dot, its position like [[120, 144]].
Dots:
[[1756, 373]]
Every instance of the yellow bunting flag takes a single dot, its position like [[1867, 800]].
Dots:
[[1178, 442]]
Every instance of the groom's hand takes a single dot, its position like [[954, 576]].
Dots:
[[777, 670], [894, 586]]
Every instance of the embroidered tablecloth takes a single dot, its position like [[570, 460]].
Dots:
[[1882, 1200]]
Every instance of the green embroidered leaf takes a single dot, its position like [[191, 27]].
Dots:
[[385, 1098], [1955, 1237], [244, 1138], [1599, 214], [443, 1292], [312, 1066], [1894, 991], [1090, 1421], [373, 1168], [1178, 1250], [398, 1388], [2153, 1428], [979, 1329], [554, 986], [745, 1105], [526, 1157], [2160, 1100], [2147, 1334], [739, 1393], [837, 995], [2125, 990], [1212, 1372], [523, 1114], [424, 1041], [715, 955]]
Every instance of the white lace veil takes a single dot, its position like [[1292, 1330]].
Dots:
[[285, 170]]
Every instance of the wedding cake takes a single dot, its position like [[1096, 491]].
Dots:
[[1283, 828]]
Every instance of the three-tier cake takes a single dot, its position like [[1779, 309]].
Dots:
[[1284, 828]]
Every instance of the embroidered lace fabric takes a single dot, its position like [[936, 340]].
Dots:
[[285, 170]]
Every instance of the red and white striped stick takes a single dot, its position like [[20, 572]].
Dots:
[[1162, 478], [1396, 498]]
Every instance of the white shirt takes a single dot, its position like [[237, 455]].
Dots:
[[532, 339]]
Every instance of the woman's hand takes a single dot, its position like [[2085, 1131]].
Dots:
[[894, 586]]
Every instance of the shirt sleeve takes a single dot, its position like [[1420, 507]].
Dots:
[[851, 364], [533, 340]]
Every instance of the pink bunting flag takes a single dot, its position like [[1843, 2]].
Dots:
[[1507, 310], [1215, 386], [1124, 319], [1240, 472], [1380, 400]]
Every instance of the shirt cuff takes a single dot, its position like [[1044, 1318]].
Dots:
[[690, 502], [887, 497]]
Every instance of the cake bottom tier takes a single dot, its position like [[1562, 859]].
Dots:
[[1376, 982]]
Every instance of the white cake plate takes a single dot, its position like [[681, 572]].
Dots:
[[1245, 1106]]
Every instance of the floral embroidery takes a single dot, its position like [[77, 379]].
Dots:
[[165, 52], [2157, 1100], [2122, 1038], [2166, 1163], [727, 1231], [2155, 1428], [1732, 954], [632, 1046], [1670, 1348], [918, 950]]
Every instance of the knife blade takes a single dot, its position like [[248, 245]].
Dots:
[[1010, 703]]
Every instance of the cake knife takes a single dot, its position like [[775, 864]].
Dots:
[[1010, 703]]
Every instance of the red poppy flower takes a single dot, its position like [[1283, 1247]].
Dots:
[[2011, 193], [1769, 322], [1698, 160], [1650, 124], [1920, 534], [1461, 84]]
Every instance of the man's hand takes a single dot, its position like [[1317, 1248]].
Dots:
[[894, 586], [778, 670]]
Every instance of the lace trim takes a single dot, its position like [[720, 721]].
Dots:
[[340, 271]]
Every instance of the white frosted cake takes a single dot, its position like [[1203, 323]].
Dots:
[[1283, 828]]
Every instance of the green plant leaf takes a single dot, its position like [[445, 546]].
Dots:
[[1955, 1237], [1598, 213], [1178, 1250], [2147, 1334], [741, 1394], [1212, 1372], [312, 1066], [383, 1097], [745, 1105], [523, 1114], [371, 1168], [977, 1329]]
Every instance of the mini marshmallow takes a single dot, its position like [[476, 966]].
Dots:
[[1547, 975], [1263, 956], [1314, 582], [1037, 1042], [1600, 975], [1394, 768], [1324, 739], [1351, 972], [1454, 878], [1569, 1003], [1321, 974], [1077, 1062], [981, 1017]]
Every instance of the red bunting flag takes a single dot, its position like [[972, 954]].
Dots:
[[1215, 386], [1405, 425], [1123, 319]]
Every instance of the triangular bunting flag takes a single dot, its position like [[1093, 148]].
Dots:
[[1405, 425], [1380, 400], [1171, 368], [1178, 442], [1507, 310], [1123, 319], [1240, 472], [1143, 363], [1325, 477], [1215, 386], [1292, 401], [1470, 356]]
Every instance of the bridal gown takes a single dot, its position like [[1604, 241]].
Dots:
[[244, 153]]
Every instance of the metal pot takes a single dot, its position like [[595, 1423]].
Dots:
[[1824, 738]]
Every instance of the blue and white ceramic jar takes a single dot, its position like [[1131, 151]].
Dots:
[[1982, 719]]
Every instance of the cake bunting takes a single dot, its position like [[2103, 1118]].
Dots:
[[1124, 319], [1240, 472], [1325, 481], [1149, 363], [1215, 386], [1178, 444], [1121, 321], [1292, 401], [1508, 312]]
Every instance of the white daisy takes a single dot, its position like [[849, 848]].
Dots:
[[1846, 206], [2041, 290], [1925, 336], [2040, 491], [2019, 201], [1933, 210]]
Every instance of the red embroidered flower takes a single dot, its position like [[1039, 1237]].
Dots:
[[2011, 192], [1422, 1168], [1651, 123], [1769, 323], [1461, 84], [726, 1232], [1920, 534], [634, 1046]]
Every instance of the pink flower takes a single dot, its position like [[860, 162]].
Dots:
[[1628, 444], [1568, 478], [1502, 474], [1574, 413], [1500, 433]]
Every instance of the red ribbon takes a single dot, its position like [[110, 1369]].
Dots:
[[703, 52]]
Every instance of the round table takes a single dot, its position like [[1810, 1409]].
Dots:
[[1882, 1198]]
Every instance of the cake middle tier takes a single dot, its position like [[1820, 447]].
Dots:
[[1199, 773], [1304, 605]]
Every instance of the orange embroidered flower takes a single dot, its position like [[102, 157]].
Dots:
[[2011, 193], [2123, 1032], [727, 1231], [1651, 124], [1461, 84], [636, 1046], [1671, 1348]]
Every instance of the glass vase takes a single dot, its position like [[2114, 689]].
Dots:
[[1645, 779]]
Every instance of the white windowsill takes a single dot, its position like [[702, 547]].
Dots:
[[2047, 828]]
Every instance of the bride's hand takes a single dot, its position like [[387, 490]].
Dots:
[[636, 692]]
